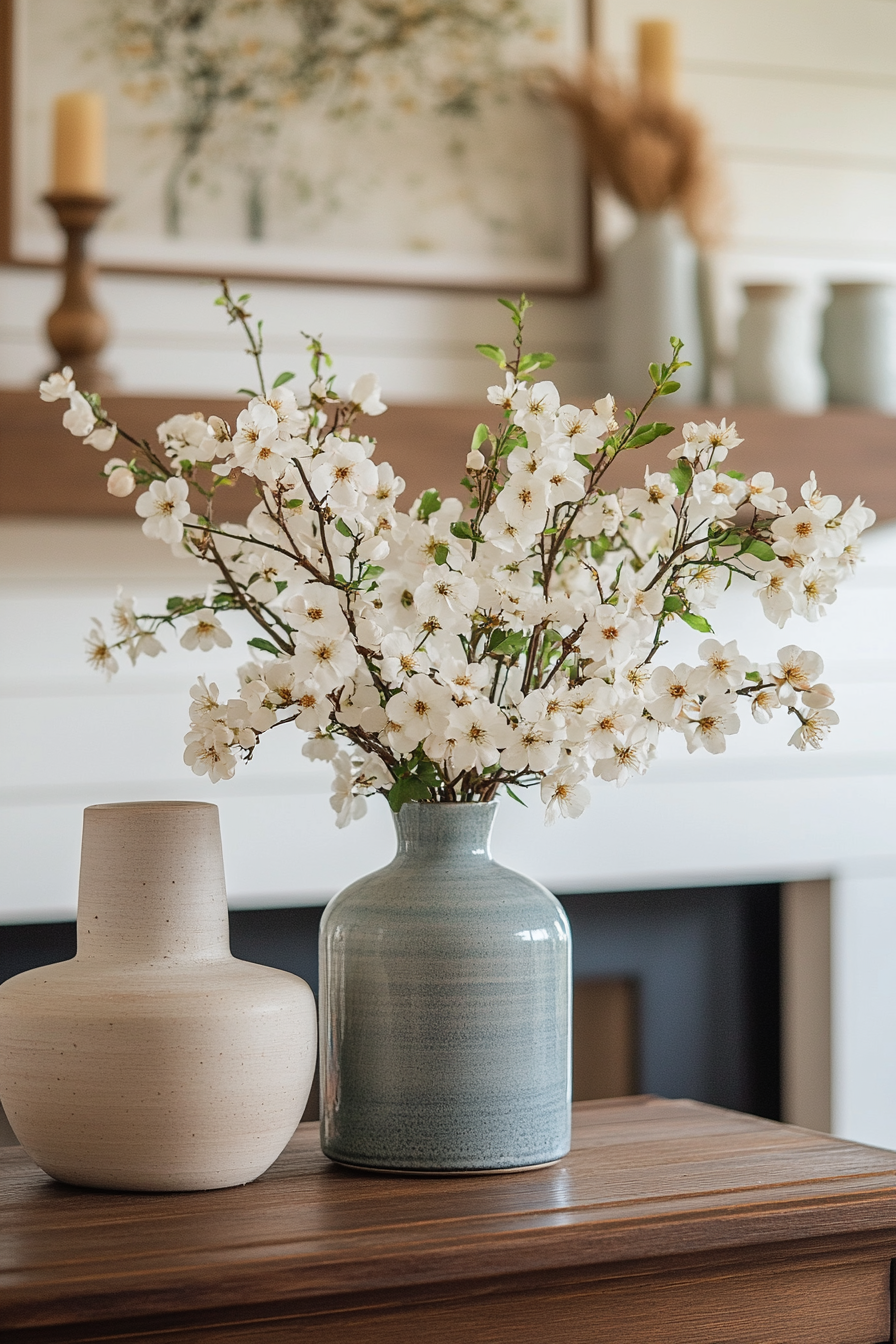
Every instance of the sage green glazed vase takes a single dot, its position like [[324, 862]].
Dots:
[[445, 1007]]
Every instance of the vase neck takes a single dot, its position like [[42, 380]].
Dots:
[[460, 831], [152, 884]]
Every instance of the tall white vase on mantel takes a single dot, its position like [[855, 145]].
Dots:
[[653, 294], [154, 1060]]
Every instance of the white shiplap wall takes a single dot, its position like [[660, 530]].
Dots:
[[800, 96]]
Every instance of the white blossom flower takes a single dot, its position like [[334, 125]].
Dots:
[[579, 430], [79, 419], [58, 387], [673, 691], [764, 703], [208, 752], [813, 590], [564, 793], [446, 595], [343, 475], [347, 805], [818, 696], [320, 748], [801, 532], [795, 671], [628, 756], [535, 405], [533, 743], [315, 709], [316, 613], [99, 655], [326, 659], [418, 710], [706, 442], [725, 668], [366, 393], [599, 730], [205, 631], [765, 495], [503, 396], [103, 437], [775, 590], [827, 506], [401, 658], [183, 436], [164, 507], [479, 731], [710, 723], [609, 636], [714, 496], [524, 501], [814, 728]]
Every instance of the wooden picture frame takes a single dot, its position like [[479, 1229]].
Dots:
[[547, 199]]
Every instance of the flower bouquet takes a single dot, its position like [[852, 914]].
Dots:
[[509, 637]]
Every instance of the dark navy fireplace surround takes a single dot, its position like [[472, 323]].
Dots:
[[706, 963]]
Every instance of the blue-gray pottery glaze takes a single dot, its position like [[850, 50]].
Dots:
[[445, 1006]]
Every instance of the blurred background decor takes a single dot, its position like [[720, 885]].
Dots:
[[373, 141]]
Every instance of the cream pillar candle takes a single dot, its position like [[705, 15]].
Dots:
[[79, 158], [658, 57]]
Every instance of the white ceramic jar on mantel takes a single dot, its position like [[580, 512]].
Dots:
[[778, 350], [859, 344]]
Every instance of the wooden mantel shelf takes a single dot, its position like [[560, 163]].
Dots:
[[669, 1221], [50, 473]]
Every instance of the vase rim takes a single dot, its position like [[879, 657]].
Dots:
[[150, 804], [438, 802]]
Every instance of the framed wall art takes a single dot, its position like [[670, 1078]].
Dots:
[[379, 141]]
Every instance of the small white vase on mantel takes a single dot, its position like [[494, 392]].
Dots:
[[653, 293], [154, 1060], [859, 344], [778, 361]]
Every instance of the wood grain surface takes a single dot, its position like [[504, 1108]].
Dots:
[[45, 471], [669, 1220]]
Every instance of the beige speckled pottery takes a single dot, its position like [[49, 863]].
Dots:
[[154, 1060]]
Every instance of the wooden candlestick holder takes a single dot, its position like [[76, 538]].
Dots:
[[78, 329]]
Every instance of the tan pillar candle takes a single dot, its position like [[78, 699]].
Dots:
[[79, 160], [658, 57]]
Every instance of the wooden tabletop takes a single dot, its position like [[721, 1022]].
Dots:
[[665, 1187], [48, 472]]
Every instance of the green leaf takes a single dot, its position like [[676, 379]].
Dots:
[[673, 603], [753, 676], [539, 359], [584, 461], [264, 644], [760, 549], [735, 475], [405, 790], [648, 433], [516, 798], [480, 434], [599, 546], [373, 571], [281, 585], [682, 475], [440, 554], [696, 622], [283, 378], [464, 531], [429, 503], [293, 503], [173, 603], [243, 298], [655, 373], [669, 387], [512, 306], [494, 353], [343, 528], [221, 600]]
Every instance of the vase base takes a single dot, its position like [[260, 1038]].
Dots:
[[442, 1171]]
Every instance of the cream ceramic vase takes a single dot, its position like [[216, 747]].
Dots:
[[154, 1060]]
